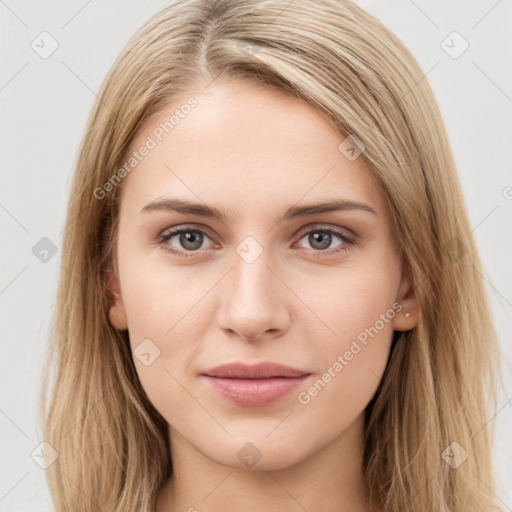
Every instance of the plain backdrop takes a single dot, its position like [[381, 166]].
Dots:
[[44, 106]]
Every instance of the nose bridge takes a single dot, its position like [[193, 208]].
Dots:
[[251, 281], [253, 302]]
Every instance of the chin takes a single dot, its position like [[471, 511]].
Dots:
[[255, 453]]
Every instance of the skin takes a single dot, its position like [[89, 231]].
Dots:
[[252, 153]]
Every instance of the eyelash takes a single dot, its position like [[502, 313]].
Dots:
[[348, 241]]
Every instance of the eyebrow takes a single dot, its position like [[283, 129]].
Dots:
[[203, 210]]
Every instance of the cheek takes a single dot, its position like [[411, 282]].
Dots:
[[351, 298], [158, 297], [359, 306], [165, 311]]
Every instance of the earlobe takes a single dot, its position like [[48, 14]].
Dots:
[[408, 317], [117, 314]]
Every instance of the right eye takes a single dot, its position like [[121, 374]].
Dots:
[[190, 240]]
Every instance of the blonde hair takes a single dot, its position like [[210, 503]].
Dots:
[[438, 388]]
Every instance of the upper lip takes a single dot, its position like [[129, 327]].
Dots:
[[259, 371]]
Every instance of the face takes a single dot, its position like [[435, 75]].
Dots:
[[256, 275]]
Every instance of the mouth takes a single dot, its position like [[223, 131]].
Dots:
[[256, 385]]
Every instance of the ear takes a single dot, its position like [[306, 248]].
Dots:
[[407, 298], [117, 314]]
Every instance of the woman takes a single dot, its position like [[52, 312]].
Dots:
[[271, 298]]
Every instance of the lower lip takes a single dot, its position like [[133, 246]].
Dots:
[[255, 392]]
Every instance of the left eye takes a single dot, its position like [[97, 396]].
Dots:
[[322, 239]]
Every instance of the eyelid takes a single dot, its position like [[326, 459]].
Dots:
[[315, 226], [186, 227]]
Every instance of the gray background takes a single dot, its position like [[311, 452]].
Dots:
[[44, 105]]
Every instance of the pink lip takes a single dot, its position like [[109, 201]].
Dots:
[[256, 385]]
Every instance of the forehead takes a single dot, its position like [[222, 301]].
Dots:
[[247, 145]]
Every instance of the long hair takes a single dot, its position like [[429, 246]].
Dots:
[[428, 441]]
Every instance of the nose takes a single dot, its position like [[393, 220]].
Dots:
[[254, 303]]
